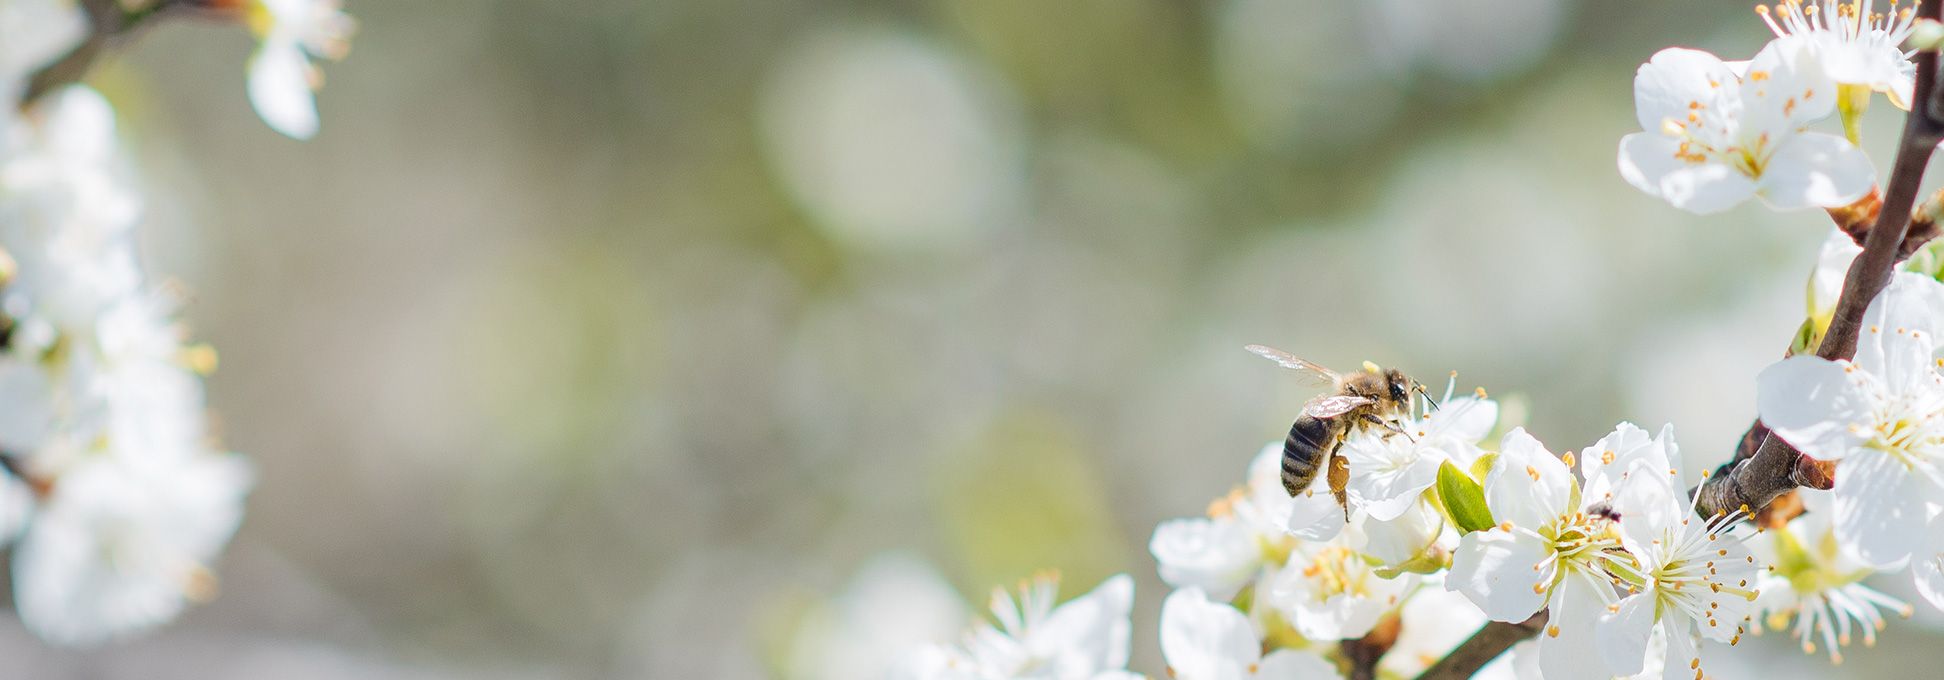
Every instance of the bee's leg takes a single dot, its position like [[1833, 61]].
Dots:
[[1391, 426], [1339, 477]]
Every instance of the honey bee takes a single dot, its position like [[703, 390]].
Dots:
[[1373, 397]]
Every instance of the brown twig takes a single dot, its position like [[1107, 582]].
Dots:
[[1362, 654], [107, 22], [1488, 643], [1774, 467]]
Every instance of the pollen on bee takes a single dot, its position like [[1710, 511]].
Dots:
[[1552, 631]]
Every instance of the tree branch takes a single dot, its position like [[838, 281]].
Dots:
[[1363, 653], [107, 22], [1488, 643], [1765, 467], [1775, 468]]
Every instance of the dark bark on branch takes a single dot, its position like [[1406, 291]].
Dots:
[[1775, 468], [1483, 646], [1362, 654]]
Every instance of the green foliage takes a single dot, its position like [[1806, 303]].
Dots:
[[1463, 498]]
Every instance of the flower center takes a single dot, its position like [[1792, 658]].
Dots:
[[1850, 22], [1335, 570], [1909, 432]]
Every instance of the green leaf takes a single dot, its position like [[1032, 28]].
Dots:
[[1482, 466], [1463, 499], [1807, 336]]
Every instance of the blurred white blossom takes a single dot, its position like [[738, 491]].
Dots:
[[1812, 583], [1086, 638], [894, 603], [283, 78], [887, 140], [125, 500], [1206, 640]]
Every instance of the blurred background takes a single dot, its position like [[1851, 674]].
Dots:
[[749, 338]]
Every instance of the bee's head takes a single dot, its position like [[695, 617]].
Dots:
[[1398, 386]]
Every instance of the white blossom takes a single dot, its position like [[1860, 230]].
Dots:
[[110, 467], [1854, 44], [1228, 549], [1331, 591], [1881, 416], [121, 546], [1550, 550], [895, 602], [1812, 583], [1086, 638], [1204, 640], [282, 78], [1393, 469], [1217, 555], [1826, 280], [1712, 139], [1689, 577]]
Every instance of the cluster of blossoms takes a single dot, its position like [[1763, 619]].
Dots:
[[115, 496], [1453, 518]]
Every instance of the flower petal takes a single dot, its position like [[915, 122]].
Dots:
[[1495, 569], [1812, 403], [1569, 648], [1296, 665], [1625, 631], [1928, 574], [280, 89], [1674, 77], [1090, 632], [1785, 89], [1219, 556], [1815, 169], [1912, 302], [1879, 508], [1203, 639], [1467, 419], [1315, 516], [1527, 486]]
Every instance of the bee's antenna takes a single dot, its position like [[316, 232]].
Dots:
[[1419, 388]]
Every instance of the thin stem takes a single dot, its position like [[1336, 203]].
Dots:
[[1363, 653], [1488, 643], [107, 21]]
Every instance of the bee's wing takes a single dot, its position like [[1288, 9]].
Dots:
[[1333, 405], [1288, 360]]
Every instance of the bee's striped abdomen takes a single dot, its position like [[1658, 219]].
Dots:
[[1304, 452]]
